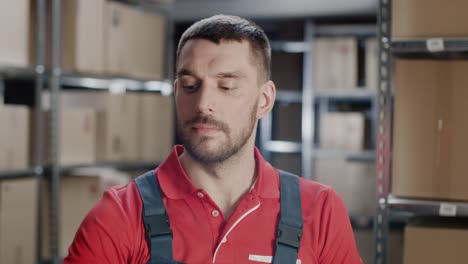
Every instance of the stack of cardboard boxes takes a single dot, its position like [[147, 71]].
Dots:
[[14, 136], [105, 127], [335, 67], [430, 126], [354, 181], [98, 37], [335, 63], [18, 211]]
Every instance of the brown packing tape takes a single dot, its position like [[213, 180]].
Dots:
[[442, 124]]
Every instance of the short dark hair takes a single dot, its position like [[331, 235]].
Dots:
[[227, 27]]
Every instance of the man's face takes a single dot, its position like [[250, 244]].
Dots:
[[217, 93]]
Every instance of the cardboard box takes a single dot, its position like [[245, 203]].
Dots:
[[77, 137], [78, 194], [335, 63], [365, 241], [372, 64], [130, 126], [135, 42], [14, 27], [157, 127], [82, 34], [344, 131], [434, 245], [429, 18], [117, 129], [18, 211], [430, 128], [14, 140], [353, 181]]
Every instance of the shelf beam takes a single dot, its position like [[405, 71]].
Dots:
[[428, 207]]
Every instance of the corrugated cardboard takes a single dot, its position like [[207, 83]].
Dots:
[[130, 126], [342, 131], [365, 242], [156, 129], [18, 210], [135, 42], [430, 245], [430, 128], [429, 18], [117, 128], [335, 63], [14, 139], [353, 181], [14, 27], [78, 194], [372, 64], [77, 137], [82, 34]]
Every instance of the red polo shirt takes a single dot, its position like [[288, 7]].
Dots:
[[113, 231]]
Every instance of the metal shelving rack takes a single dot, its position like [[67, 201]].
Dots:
[[309, 96], [389, 206], [57, 79]]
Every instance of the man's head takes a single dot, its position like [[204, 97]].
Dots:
[[232, 28], [222, 87]]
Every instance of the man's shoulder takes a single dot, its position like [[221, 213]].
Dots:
[[119, 200]]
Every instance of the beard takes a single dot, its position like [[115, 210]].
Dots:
[[231, 145]]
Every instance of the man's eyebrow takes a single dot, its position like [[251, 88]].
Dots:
[[182, 72], [236, 75]]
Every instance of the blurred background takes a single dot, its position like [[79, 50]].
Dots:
[[370, 100]]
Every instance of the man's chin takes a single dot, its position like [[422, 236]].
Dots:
[[207, 152]]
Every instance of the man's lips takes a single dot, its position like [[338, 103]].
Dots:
[[204, 128]]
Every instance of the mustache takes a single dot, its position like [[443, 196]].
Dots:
[[206, 120]]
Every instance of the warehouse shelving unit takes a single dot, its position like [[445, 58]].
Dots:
[[57, 80], [310, 96], [388, 205], [314, 101]]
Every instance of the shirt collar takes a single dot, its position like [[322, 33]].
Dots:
[[176, 184]]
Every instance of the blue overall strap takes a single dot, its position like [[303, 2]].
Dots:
[[155, 219], [289, 231]]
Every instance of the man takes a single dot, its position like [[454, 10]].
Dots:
[[222, 198]]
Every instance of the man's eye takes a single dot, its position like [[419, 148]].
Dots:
[[189, 87]]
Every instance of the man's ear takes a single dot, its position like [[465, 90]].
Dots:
[[176, 83], [267, 99]]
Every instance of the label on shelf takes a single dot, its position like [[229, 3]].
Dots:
[[435, 44], [447, 209]]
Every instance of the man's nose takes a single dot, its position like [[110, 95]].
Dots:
[[205, 99]]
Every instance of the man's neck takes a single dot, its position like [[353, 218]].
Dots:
[[226, 182]]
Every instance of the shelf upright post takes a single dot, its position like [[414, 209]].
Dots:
[[54, 134], [38, 119], [381, 223], [308, 115], [170, 55]]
